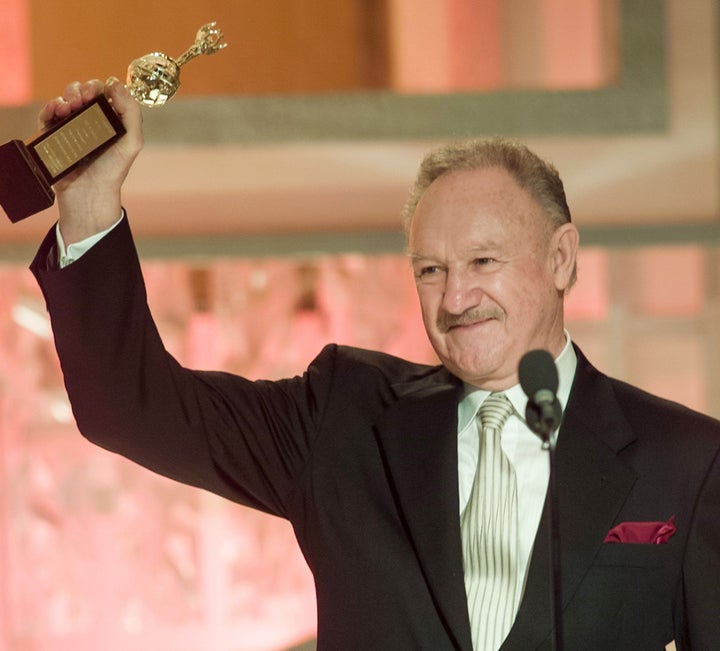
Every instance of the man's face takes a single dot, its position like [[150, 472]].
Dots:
[[490, 275]]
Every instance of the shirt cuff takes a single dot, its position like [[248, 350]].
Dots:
[[68, 255]]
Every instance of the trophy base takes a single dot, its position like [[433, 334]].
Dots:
[[24, 189], [29, 169]]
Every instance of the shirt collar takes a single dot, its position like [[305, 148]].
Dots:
[[566, 363]]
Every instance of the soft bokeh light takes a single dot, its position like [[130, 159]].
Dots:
[[15, 52]]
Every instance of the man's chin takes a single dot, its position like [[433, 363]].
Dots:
[[469, 374], [485, 375]]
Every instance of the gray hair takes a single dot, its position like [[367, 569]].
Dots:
[[536, 176], [532, 173]]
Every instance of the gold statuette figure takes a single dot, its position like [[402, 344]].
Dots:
[[154, 78]]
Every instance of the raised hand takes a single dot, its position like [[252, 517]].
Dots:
[[89, 198]]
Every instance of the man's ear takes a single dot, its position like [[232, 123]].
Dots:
[[563, 255]]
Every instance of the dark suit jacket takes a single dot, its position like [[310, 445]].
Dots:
[[360, 454]]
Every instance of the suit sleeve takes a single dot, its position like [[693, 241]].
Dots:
[[248, 441]]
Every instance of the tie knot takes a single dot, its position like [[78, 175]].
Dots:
[[495, 411]]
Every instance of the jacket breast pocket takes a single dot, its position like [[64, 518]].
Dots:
[[634, 554]]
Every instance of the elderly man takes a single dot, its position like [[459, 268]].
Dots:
[[416, 493]]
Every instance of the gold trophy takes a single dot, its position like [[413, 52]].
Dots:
[[29, 169], [155, 78]]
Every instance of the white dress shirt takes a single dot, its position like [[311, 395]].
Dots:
[[68, 254], [522, 447]]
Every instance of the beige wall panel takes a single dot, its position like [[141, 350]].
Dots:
[[273, 45]]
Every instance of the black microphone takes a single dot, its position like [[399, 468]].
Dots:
[[539, 381]]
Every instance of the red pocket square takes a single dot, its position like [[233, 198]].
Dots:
[[648, 533]]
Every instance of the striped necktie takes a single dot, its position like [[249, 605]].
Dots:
[[489, 527]]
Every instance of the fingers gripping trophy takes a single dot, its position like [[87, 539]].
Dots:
[[29, 169]]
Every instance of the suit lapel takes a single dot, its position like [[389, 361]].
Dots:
[[592, 486], [418, 440]]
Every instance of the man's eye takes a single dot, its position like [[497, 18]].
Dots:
[[427, 271], [484, 261]]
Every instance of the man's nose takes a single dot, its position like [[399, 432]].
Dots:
[[461, 292]]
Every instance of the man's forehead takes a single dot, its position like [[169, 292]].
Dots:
[[485, 177], [481, 189]]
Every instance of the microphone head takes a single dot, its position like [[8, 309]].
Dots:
[[537, 372]]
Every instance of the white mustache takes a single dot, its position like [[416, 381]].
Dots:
[[446, 321]]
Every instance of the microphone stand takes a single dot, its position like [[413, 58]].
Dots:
[[544, 420], [555, 572], [543, 413]]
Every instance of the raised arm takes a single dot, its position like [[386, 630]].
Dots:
[[244, 440]]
